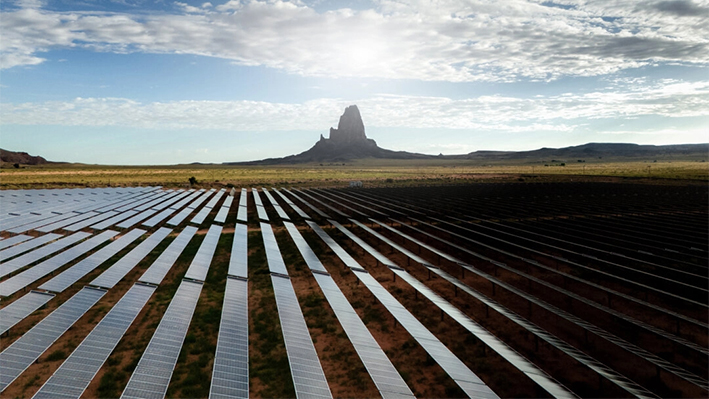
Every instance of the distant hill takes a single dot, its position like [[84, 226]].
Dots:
[[593, 151], [349, 142], [21, 158]]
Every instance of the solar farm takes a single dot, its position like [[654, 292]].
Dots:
[[563, 290]]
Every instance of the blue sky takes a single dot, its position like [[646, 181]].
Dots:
[[166, 82]]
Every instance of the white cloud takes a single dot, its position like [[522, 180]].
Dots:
[[561, 113], [426, 40]]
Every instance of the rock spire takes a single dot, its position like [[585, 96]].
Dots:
[[350, 129]]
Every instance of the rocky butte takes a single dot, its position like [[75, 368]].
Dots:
[[345, 143]]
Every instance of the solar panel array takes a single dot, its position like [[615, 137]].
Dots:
[[111, 276], [71, 275], [388, 381], [90, 221], [157, 271], [152, 375], [241, 214], [203, 259], [230, 375], [8, 253], [21, 308], [23, 352], [238, 263], [470, 383], [308, 204], [39, 253], [75, 374], [27, 277]]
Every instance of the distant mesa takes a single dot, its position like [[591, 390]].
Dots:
[[20, 158], [346, 143]]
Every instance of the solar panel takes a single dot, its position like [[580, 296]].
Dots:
[[180, 195], [260, 210], [238, 263], [92, 220], [281, 213], [111, 276], [224, 210], [200, 200], [73, 274], [191, 195], [290, 203], [243, 203], [75, 374], [470, 383], [21, 308], [137, 218], [22, 353], [230, 375], [154, 370], [388, 381], [166, 196], [13, 240], [328, 206], [29, 276], [203, 259], [308, 377], [39, 253], [113, 220], [273, 254], [308, 204], [8, 253], [157, 271], [68, 222], [201, 215]]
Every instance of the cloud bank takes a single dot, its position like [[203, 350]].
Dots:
[[475, 40], [622, 99]]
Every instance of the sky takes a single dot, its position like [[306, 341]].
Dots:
[[169, 82]]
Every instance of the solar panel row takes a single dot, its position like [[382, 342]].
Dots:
[[8, 253], [182, 215], [241, 215], [260, 210], [191, 195], [27, 277], [224, 209], [230, 375], [21, 308], [22, 353], [92, 220], [111, 221], [202, 214], [111, 276], [281, 213], [308, 377], [39, 253], [290, 203], [71, 275], [152, 375], [136, 219], [157, 271], [238, 263], [308, 204], [75, 374], [203, 259], [385, 377], [13, 240], [273, 254], [470, 383]]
